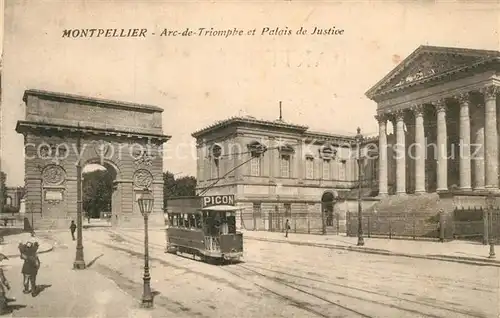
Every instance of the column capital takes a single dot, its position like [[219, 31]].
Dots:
[[382, 117], [417, 109], [440, 105], [398, 114], [463, 98], [490, 91]]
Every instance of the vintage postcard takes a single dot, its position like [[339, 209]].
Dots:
[[249, 158]]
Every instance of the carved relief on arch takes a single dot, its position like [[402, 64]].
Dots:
[[53, 175], [143, 179]]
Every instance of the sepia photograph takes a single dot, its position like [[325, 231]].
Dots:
[[249, 158]]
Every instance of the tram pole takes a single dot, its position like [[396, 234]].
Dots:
[[361, 241], [79, 262]]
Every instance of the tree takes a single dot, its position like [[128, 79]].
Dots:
[[97, 192], [178, 187]]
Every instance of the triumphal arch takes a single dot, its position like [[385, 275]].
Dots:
[[443, 105], [61, 131]]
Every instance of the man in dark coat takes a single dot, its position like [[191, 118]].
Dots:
[[30, 266], [72, 228]]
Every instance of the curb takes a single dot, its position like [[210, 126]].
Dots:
[[445, 258]]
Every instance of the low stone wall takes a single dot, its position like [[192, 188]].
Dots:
[[395, 225]]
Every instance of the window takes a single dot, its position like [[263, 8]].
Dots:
[[215, 168], [255, 164], [285, 166], [342, 170], [326, 169], [256, 210], [288, 210], [216, 153], [309, 168]]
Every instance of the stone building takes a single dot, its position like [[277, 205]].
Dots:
[[63, 132], [279, 171], [442, 103]]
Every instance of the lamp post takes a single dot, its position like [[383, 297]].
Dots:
[[145, 202], [490, 201], [359, 139], [79, 262]]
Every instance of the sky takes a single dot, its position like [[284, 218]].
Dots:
[[320, 79]]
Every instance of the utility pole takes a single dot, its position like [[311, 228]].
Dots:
[[281, 113], [79, 260]]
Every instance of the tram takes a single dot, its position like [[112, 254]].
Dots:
[[208, 231]]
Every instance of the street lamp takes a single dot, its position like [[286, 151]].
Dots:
[[490, 201], [79, 262], [145, 202], [359, 139]]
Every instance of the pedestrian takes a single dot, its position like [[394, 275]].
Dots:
[[30, 266], [439, 229], [4, 286], [287, 227], [72, 228]]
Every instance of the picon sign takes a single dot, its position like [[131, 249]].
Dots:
[[226, 199]]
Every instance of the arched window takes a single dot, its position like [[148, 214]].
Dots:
[[216, 156]]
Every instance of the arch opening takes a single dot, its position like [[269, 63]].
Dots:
[[328, 200], [98, 190]]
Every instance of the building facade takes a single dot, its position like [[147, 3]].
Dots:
[[445, 101], [442, 104], [280, 171], [63, 133]]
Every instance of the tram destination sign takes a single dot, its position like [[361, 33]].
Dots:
[[211, 200]]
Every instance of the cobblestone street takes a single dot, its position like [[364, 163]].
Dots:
[[276, 280]]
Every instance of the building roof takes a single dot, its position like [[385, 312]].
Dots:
[[91, 100], [429, 63], [248, 120]]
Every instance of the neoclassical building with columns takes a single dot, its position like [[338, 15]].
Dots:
[[442, 103]]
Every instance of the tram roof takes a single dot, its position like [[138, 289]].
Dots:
[[222, 208]]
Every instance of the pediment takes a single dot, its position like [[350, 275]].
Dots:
[[428, 62]]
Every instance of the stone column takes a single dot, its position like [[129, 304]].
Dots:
[[465, 155], [442, 146], [478, 153], [382, 154], [400, 153], [420, 150], [490, 136]]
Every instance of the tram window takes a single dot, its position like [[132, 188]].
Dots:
[[175, 219], [198, 221], [231, 224]]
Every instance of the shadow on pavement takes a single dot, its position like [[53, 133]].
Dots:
[[39, 289], [94, 260], [9, 309]]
